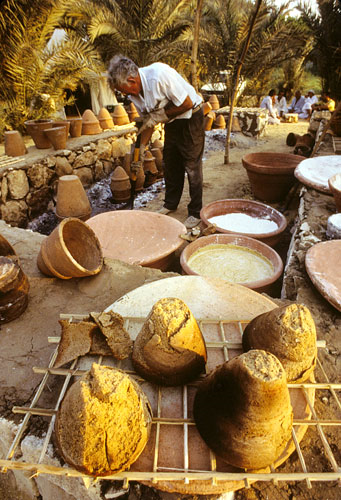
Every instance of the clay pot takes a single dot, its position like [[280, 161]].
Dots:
[[150, 169], [335, 187], [72, 200], [105, 119], [242, 410], [214, 102], [157, 153], [208, 121], [132, 112], [14, 287], [56, 136], [206, 107], [251, 208], [120, 115], [120, 185], [75, 127], [263, 285], [72, 250], [35, 128], [14, 143], [291, 139], [90, 124], [157, 144], [271, 175], [6, 250], [304, 145], [140, 179], [63, 123], [220, 122], [289, 333]]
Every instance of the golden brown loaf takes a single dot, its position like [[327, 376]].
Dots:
[[243, 412], [170, 348], [103, 422], [289, 333]]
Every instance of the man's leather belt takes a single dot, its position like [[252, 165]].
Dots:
[[194, 110]]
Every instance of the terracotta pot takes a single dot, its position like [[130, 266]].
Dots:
[[75, 127], [14, 287], [90, 124], [133, 113], [206, 107], [208, 122], [251, 208], [157, 153], [62, 123], [140, 179], [56, 136], [14, 143], [291, 139], [304, 145], [271, 175], [120, 185], [335, 187], [120, 115], [220, 122], [72, 250], [6, 250], [149, 163], [214, 102], [105, 119], [263, 285], [72, 200], [35, 128]]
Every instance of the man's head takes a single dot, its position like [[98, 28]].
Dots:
[[123, 75], [311, 93], [325, 95], [272, 92], [298, 94]]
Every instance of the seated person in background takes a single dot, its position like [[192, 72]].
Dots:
[[268, 103], [310, 99], [297, 103], [281, 103], [325, 103]]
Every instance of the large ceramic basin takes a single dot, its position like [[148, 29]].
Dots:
[[138, 237]]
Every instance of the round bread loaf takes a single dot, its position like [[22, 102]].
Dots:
[[243, 412], [103, 422], [170, 348], [289, 333]]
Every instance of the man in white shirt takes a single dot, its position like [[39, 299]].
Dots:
[[297, 103], [161, 95], [267, 103], [310, 99]]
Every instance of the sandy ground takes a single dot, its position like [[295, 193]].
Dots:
[[220, 181]]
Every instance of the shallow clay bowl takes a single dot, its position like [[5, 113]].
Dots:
[[138, 237], [264, 285], [251, 208], [315, 172], [334, 183]]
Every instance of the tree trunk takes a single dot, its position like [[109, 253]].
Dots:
[[235, 85], [195, 44]]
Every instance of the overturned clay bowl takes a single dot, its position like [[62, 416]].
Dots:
[[138, 237], [234, 258], [315, 172], [335, 187], [252, 209], [271, 175]]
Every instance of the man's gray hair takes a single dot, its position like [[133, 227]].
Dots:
[[119, 70]]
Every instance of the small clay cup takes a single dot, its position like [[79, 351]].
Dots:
[[72, 250], [56, 136], [120, 185], [14, 143], [90, 124], [75, 127], [242, 410], [105, 119], [14, 287], [35, 128], [291, 139], [214, 102], [335, 187], [206, 108], [208, 121], [120, 115], [72, 200], [220, 122], [62, 123]]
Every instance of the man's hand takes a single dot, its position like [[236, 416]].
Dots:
[[153, 119]]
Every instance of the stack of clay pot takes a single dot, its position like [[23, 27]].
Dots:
[[150, 169], [133, 113], [90, 124], [213, 100], [120, 115], [72, 200], [120, 185], [14, 143], [75, 126], [209, 119], [14, 285], [220, 122], [72, 250], [35, 128], [105, 119], [56, 136]]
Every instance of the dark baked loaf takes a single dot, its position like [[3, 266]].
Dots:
[[243, 412], [170, 348], [289, 333], [103, 422]]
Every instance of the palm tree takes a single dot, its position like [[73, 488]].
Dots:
[[35, 73]]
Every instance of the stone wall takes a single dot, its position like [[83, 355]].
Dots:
[[28, 184]]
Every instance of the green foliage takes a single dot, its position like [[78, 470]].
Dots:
[[33, 72]]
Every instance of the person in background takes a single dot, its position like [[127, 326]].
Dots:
[[310, 99], [268, 103], [325, 103], [297, 103], [281, 103], [162, 95]]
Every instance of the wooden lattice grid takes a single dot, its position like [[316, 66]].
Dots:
[[158, 472]]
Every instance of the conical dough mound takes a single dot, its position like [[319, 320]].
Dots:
[[289, 333], [103, 423], [170, 348], [243, 412]]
